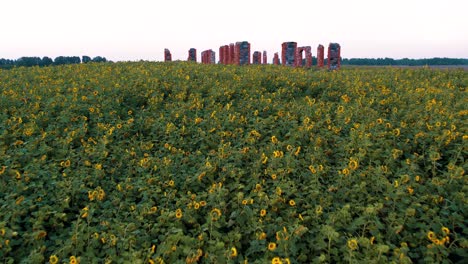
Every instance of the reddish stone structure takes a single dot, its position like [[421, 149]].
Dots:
[[288, 53], [224, 56], [242, 53], [213, 57], [257, 57], [192, 55], [232, 48], [238, 53], [334, 56], [308, 57], [276, 59], [203, 57], [291, 55], [320, 55], [221, 55], [167, 55], [208, 57]]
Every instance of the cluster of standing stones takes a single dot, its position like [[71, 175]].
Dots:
[[291, 55]]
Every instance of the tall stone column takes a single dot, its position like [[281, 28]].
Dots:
[[167, 55], [276, 59], [320, 55], [288, 53], [232, 47], [221, 55], [208, 57], [242, 53], [192, 55], [226, 54], [203, 57], [308, 56], [212, 57], [334, 56], [257, 57], [298, 57]]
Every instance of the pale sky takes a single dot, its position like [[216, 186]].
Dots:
[[141, 29]]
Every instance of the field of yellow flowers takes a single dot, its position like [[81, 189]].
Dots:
[[144, 162]]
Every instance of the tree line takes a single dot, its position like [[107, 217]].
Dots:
[[46, 61], [61, 60], [403, 62], [396, 62]]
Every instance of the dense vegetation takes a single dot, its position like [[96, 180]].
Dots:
[[46, 61], [184, 163], [403, 62]]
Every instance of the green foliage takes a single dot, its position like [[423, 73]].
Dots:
[[179, 162], [46, 61], [404, 62]]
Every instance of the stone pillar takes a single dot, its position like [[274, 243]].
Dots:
[[212, 57], [320, 55], [265, 57], [167, 55], [236, 54], [192, 55], [257, 57], [221, 55], [308, 57], [203, 57], [334, 56], [226, 54], [288, 53], [231, 53], [276, 59], [208, 57], [242, 53], [298, 57]]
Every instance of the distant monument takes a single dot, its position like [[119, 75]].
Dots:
[[242, 53], [224, 56], [192, 55], [334, 56], [232, 48], [238, 54], [276, 59], [208, 57], [257, 57], [320, 55], [288, 53], [291, 55], [167, 55], [308, 56]]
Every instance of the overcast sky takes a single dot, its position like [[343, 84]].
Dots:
[[141, 29]]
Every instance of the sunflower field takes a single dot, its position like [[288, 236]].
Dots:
[[145, 162]]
